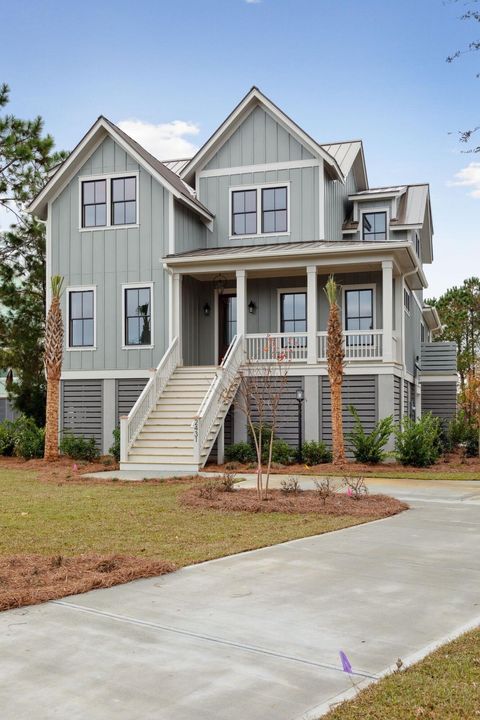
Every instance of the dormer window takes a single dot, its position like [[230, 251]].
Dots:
[[374, 226]]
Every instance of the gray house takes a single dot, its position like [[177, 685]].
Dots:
[[180, 273]]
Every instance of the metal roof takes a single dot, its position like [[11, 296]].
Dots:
[[176, 166], [344, 153], [394, 190]]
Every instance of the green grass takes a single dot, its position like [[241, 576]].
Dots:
[[145, 519], [443, 686]]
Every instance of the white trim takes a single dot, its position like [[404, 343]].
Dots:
[[133, 285], [375, 209], [225, 130], [260, 167], [361, 286], [105, 374], [289, 291], [48, 256], [441, 377], [108, 177], [258, 188], [171, 224], [68, 291], [216, 334], [321, 201]]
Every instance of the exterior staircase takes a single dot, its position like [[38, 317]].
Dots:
[[175, 421]]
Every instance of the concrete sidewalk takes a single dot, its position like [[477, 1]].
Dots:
[[253, 636]]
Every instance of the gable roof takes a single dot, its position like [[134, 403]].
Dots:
[[346, 153], [90, 141], [176, 165], [253, 98]]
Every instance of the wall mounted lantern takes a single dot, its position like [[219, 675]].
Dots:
[[251, 307], [206, 309]]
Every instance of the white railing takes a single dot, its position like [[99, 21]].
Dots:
[[269, 347], [357, 345], [219, 395], [131, 425]]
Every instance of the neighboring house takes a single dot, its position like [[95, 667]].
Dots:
[[165, 264], [7, 412]]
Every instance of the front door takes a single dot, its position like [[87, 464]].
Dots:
[[227, 322]]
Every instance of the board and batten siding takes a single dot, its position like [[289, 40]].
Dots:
[[440, 398], [82, 409], [127, 393], [359, 391], [190, 231], [337, 205], [111, 257]]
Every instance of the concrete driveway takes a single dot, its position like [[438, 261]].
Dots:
[[254, 636]]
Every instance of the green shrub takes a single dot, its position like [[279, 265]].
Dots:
[[266, 433], [115, 449], [315, 452], [369, 447], [462, 432], [418, 443], [78, 447], [282, 453], [7, 437], [240, 452], [29, 440]]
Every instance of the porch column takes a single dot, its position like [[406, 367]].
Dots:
[[387, 281], [311, 315], [177, 308], [241, 302]]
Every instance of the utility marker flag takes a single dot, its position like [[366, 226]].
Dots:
[[347, 668]]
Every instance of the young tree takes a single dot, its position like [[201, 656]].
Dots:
[[335, 363], [470, 400], [26, 155], [53, 368]]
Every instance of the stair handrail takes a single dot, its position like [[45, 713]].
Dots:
[[131, 424], [220, 391]]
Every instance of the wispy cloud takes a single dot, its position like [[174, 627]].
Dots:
[[253, 2], [167, 141], [468, 177]]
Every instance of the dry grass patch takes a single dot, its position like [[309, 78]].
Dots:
[[32, 579]]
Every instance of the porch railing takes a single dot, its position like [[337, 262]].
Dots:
[[268, 347], [357, 345], [216, 402], [131, 425]]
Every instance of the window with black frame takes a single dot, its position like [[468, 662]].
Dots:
[[124, 201], [244, 212], [293, 317], [359, 315], [81, 318], [94, 203], [274, 210], [138, 316], [374, 226]]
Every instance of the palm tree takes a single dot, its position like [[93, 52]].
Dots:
[[53, 368], [335, 358]]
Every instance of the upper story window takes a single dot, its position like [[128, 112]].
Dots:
[[81, 318], [261, 210], [137, 316], [107, 202], [94, 203], [274, 210], [124, 201], [374, 226], [244, 212], [406, 300]]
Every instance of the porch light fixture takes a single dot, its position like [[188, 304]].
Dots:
[[220, 281], [251, 307], [206, 309]]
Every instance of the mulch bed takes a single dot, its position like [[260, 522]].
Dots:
[[303, 502], [32, 579]]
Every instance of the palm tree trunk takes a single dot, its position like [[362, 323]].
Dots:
[[52, 413], [337, 424]]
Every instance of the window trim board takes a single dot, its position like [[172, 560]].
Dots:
[[376, 209], [68, 291], [258, 187], [133, 285], [108, 177]]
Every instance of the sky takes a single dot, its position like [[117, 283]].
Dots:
[[169, 72]]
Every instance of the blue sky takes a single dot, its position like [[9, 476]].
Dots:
[[342, 69]]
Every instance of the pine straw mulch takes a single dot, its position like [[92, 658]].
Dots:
[[302, 502], [33, 579]]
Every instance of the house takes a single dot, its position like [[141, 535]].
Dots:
[[178, 272]]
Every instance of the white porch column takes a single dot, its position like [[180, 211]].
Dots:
[[177, 309], [387, 293], [311, 314], [241, 302]]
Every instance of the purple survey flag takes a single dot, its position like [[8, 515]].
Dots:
[[347, 668]]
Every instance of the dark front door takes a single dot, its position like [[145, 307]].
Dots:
[[227, 322]]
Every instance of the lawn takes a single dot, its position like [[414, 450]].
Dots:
[[443, 686]]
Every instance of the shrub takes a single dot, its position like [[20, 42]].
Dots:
[[282, 453], [7, 437], [356, 487], [226, 483], [115, 449], [290, 486], [325, 488], [29, 440], [78, 447], [368, 447], [240, 452], [418, 443], [209, 490], [315, 452], [462, 432]]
